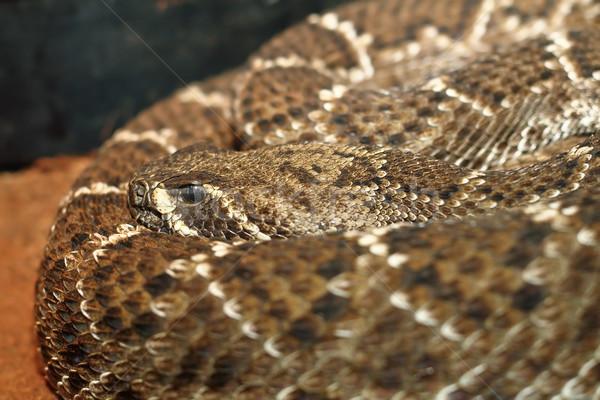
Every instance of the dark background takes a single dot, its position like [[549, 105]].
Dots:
[[71, 72]]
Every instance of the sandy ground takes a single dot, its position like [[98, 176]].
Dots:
[[28, 203]]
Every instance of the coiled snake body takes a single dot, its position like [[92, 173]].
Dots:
[[486, 287]]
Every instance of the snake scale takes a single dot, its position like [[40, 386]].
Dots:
[[432, 169]]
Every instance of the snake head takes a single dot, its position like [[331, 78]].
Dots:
[[276, 192], [188, 193], [190, 209], [168, 208]]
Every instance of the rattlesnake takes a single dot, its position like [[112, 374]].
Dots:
[[489, 289]]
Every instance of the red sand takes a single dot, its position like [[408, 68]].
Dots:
[[28, 203]]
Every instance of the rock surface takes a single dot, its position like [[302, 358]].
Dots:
[[71, 71]]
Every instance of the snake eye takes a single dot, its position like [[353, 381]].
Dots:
[[193, 194]]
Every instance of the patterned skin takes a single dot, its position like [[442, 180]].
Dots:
[[489, 289]]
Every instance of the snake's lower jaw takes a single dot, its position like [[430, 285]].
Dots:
[[151, 220]]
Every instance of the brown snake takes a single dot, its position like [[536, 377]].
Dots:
[[488, 287]]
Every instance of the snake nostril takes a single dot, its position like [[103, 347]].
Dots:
[[137, 192]]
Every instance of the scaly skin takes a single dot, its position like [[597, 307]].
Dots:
[[502, 305]]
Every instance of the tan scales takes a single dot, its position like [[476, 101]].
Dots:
[[492, 294]]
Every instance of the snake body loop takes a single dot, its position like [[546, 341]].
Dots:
[[397, 199]]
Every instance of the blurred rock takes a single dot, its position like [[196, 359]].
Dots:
[[72, 71]]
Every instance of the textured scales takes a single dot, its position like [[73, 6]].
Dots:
[[314, 188], [500, 305]]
